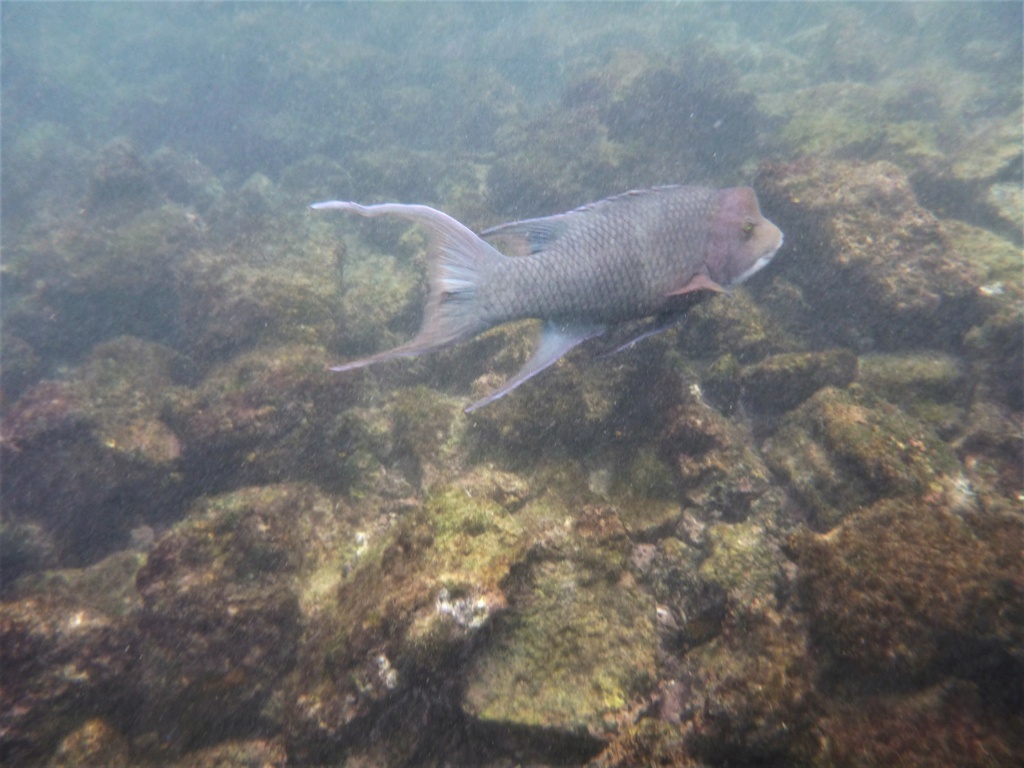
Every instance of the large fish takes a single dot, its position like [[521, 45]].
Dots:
[[631, 256]]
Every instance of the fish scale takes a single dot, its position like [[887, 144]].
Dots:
[[611, 263], [619, 259]]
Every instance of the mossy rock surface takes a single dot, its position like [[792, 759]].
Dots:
[[781, 382], [877, 268], [578, 650], [841, 451], [908, 588]]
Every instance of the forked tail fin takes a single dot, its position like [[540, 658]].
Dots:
[[458, 261]]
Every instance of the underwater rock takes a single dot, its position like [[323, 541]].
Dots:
[[690, 608], [927, 728], [689, 120], [964, 182], [781, 382], [107, 586], [88, 458], [1007, 202], [843, 450], [94, 743], [908, 590], [221, 619], [185, 180], [743, 562], [251, 753], [997, 259], [121, 181], [583, 407], [992, 450], [877, 268], [580, 645], [717, 469], [20, 369], [63, 662], [425, 431], [748, 695], [930, 386], [406, 607], [274, 289], [46, 172], [735, 325], [379, 304], [25, 547], [267, 415], [88, 280], [908, 378], [837, 119], [647, 742], [996, 351], [418, 618], [554, 162]]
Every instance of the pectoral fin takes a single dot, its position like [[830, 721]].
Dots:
[[555, 340], [661, 324], [699, 282]]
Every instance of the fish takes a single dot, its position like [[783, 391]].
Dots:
[[636, 255]]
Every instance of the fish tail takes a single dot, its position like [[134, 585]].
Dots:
[[459, 262]]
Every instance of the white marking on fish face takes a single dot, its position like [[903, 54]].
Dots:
[[760, 264]]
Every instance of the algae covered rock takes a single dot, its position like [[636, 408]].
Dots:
[[717, 470], [924, 728], [64, 660], [579, 407], [996, 351], [841, 451], [87, 281], [88, 457], [265, 415], [268, 291], [572, 657], [419, 616], [94, 743], [220, 620], [736, 325], [931, 386], [406, 609], [748, 693], [877, 268], [742, 561], [907, 588], [781, 382]]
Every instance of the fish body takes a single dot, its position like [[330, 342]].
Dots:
[[624, 258]]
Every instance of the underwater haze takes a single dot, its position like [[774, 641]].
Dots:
[[786, 531]]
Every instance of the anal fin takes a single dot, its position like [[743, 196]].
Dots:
[[661, 324], [555, 340]]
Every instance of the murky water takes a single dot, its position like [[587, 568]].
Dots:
[[786, 532]]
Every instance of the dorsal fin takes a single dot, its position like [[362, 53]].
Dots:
[[529, 236], [534, 234]]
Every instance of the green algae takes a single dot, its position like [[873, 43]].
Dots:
[[891, 589], [570, 657], [783, 381], [378, 303], [742, 561], [932, 387], [841, 451], [997, 259], [906, 378]]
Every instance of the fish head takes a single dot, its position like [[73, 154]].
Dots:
[[741, 241]]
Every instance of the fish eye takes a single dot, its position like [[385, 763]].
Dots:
[[748, 227]]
